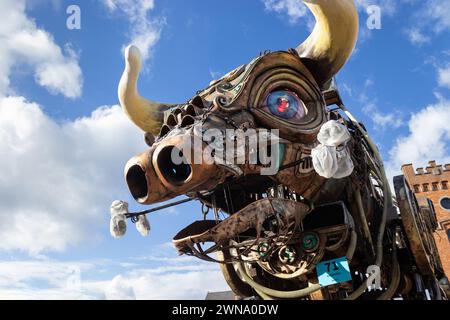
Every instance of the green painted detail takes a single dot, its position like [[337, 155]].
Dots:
[[237, 88], [310, 241], [263, 249], [288, 254], [281, 154]]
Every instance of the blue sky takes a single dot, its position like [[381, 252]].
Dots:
[[64, 141]]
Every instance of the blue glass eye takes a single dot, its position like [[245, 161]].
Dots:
[[286, 105]]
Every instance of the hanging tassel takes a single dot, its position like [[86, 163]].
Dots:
[[143, 226], [118, 223]]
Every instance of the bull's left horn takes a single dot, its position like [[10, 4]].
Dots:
[[146, 114], [333, 39]]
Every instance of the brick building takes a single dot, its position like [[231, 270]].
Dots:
[[433, 182]]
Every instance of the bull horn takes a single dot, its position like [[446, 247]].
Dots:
[[145, 114], [333, 39]]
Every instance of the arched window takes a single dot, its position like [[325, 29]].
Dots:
[[445, 225]]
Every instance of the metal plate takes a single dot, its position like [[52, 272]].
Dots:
[[417, 229]]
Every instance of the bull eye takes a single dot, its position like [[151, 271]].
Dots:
[[286, 105]]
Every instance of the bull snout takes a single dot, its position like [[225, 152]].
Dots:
[[142, 181], [137, 180], [172, 167]]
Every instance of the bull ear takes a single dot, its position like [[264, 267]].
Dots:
[[333, 38], [145, 114]]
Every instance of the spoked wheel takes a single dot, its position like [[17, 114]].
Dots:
[[239, 287]]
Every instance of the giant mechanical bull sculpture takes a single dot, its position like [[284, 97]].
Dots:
[[328, 197]]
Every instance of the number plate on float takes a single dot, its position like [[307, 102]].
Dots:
[[333, 272]]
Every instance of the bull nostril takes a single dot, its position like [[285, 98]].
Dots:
[[137, 182], [174, 173]]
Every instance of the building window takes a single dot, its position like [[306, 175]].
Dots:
[[445, 203], [416, 188], [444, 185], [426, 187], [435, 186]]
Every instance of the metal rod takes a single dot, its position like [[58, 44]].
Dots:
[[172, 204]]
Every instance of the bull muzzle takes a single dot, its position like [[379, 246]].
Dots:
[[174, 166]]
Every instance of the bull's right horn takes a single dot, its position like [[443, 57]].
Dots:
[[145, 114]]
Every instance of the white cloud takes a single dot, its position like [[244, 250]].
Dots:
[[381, 120], [296, 9], [119, 288], [145, 285], [185, 278], [23, 43], [416, 36], [428, 138], [58, 180], [57, 280], [293, 8], [144, 32], [388, 7], [431, 18], [444, 77], [438, 11]]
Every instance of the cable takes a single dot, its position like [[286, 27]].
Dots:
[[387, 199], [395, 281], [352, 246], [276, 293], [363, 218], [268, 294], [172, 204], [263, 295]]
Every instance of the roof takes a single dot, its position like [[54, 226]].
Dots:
[[224, 295]]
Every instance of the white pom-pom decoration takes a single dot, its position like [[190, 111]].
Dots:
[[344, 163], [143, 226], [325, 161], [331, 158], [333, 134], [118, 223]]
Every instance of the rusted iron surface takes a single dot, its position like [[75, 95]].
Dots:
[[417, 229], [251, 217], [261, 222]]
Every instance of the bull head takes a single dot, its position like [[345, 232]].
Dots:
[[280, 90]]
